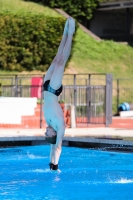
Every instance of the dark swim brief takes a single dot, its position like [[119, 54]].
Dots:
[[47, 87]]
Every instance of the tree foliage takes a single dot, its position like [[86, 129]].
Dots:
[[29, 42], [79, 9]]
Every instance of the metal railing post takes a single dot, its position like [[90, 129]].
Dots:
[[75, 93], [88, 99], [12, 90], [118, 94], [41, 101], [108, 109], [89, 79], [16, 86]]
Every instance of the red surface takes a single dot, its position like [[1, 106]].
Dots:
[[119, 122], [34, 121], [36, 83]]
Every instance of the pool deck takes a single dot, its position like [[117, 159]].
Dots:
[[91, 137]]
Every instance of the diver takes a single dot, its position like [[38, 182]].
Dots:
[[52, 89]]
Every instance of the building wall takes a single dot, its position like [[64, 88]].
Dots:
[[113, 24]]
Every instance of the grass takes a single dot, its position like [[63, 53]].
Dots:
[[20, 6], [90, 56]]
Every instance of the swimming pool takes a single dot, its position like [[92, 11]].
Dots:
[[85, 174]]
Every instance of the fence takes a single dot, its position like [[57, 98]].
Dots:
[[122, 92], [76, 89], [89, 102], [20, 86]]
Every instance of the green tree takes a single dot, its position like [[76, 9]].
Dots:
[[79, 9]]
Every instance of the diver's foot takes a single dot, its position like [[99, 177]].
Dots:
[[53, 167], [71, 29]]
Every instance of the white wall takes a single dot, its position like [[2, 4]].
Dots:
[[13, 108]]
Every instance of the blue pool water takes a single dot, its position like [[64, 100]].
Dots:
[[85, 174]]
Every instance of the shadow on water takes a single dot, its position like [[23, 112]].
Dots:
[[103, 147]]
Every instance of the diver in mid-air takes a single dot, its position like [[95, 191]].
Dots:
[[52, 88]]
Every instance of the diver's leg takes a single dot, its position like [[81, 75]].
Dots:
[[59, 52], [58, 145], [56, 79], [52, 154], [56, 148]]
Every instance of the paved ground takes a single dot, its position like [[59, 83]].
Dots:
[[120, 133], [84, 136]]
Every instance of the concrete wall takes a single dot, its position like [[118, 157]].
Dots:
[[12, 109]]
